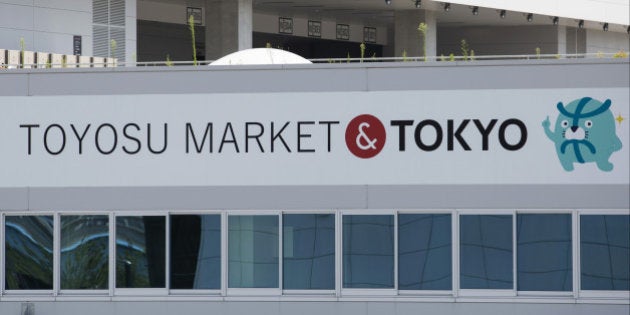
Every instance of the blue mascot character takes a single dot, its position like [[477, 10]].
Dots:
[[584, 132]]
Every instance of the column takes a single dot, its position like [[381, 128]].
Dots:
[[407, 37], [228, 27]]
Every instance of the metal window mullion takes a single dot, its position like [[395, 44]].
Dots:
[[167, 251], [224, 253], [2, 254], [396, 251], [280, 253], [56, 253], [455, 251], [575, 255], [338, 253], [514, 254], [112, 253]]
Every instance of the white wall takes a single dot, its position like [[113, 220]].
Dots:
[[606, 42]]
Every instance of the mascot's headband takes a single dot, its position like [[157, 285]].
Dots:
[[578, 111]]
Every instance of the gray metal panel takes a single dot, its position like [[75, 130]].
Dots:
[[13, 83], [197, 198], [500, 197], [13, 199]]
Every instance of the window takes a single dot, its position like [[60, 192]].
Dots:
[[368, 251], [544, 255], [253, 251], [195, 252], [29, 252], [605, 249], [84, 252], [140, 251], [308, 251], [486, 253], [424, 252]]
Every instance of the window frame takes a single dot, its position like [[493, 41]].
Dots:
[[368, 291], [139, 291], [595, 294]]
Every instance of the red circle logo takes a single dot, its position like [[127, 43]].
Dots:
[[365, 136]]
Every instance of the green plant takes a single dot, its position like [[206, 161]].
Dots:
[[557, 56], [451, 57], [21, 52], [362, 46], [404, 55], [600, 54], [64, 61], [442, 58], [169, 62], [374, 56], [268, 45], [464, 48], [620, 54], [348, 57], [422, 28], [537, 52], [472, 54], [112, 47], [191, 27]]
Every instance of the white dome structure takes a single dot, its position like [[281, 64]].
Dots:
[[260, 56]]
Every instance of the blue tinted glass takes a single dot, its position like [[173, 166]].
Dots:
[[544, 260], [84, 252], [486, 252], [605, 251], [29, 252], [253, 251], [309, 251], [368, 251], [140, 252], [195, 251], [424, 252]]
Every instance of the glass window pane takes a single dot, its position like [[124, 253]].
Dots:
[[368, 251], [84, 252], [195, 251], [29, 252], [544, 261], [486, 252], [309, 251], [253, 251], [140, 251], [605, 248], [424, 252]]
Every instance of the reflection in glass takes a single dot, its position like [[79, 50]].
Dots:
[[29, 252], [368, 251], [605, 248], [253, 251], [84, 252], [309, 251], [486, 252], [544, 261], [140, 251], [195, 251], [424, 252]]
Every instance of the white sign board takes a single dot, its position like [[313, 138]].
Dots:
[[333, 138]]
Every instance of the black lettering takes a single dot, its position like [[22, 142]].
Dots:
[[132, 138], [28, 132], [149, 140], [224, 140], [485, 132], [328, 124], [81, 137], [206, 134], [96, 139], [456, 135], [303, 135], [438, 135], [63, 139], [255, 136], [401, 132], [275, 136], [522, 140]]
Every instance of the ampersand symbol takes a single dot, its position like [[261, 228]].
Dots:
[[370, 143]]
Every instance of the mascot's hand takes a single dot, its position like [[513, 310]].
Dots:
[[546, 123]]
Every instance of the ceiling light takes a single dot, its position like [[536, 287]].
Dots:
[[502, 14], [388, 2], [530, 17], [475, 10], [447, 7], [605, 27], [581, 24], [555, 20], [418, 3]]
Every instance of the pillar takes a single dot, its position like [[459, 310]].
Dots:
[[407, 37], [228, 27]]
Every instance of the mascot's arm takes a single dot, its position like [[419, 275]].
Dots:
[[548, 132]]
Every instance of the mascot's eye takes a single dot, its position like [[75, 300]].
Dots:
[[588, 124], [564, 123]]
